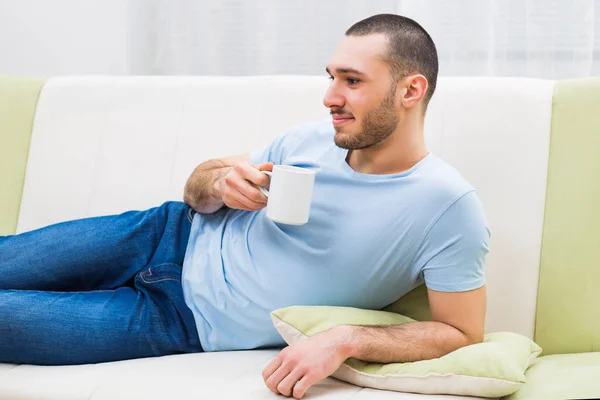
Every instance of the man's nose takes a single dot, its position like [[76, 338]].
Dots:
[[333, 99]]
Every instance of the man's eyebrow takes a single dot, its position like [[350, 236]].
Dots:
[[345, 70]]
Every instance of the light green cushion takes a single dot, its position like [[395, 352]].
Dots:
[[18, 101], [493, 368], [568, 312], [414, 304], [564, 376]]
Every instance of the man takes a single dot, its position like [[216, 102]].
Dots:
[[386, 215]]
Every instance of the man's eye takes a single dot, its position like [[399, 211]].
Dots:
[[352, 81], [330, 78]]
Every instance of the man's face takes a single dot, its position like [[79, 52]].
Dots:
[[361, 96]]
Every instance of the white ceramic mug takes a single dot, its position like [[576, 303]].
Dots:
[[290, 194]]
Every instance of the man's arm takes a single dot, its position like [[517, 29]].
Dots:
[[228, 181], [457, 321]]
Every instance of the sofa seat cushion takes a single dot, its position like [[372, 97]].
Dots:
[[220, 375], [562, 376]]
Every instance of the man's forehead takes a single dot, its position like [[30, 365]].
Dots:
[[361, 53]]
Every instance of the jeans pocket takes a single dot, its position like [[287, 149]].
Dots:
[[161, 273]]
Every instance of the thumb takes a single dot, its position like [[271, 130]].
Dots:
[[267, 166]]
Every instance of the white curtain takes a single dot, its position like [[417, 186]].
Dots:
[[544, 39]]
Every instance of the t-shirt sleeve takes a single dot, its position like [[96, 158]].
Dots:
[[453, 251], [281, 146]]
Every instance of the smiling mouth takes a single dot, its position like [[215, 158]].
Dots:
[[341, 119]]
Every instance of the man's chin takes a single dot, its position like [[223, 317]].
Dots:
[[347, 142], [341, 141]]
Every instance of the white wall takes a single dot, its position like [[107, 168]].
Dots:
[[552, 39], [61, 37]]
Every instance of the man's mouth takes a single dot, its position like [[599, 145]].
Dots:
[[341, 119]]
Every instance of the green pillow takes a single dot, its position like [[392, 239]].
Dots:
[[493, 368]]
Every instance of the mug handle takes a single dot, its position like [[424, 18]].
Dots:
[[262, 189]]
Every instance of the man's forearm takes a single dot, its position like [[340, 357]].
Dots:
[[409, 342], [202, 190]]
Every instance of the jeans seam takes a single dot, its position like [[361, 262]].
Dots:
[[148, 272], [159, 280]]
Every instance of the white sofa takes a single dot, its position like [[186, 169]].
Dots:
[[103, 145]]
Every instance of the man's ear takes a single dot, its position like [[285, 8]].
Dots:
[[413, 90]]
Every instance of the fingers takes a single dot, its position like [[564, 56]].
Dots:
[[234, 199], [252, 174], [242, 204], [303, 385], [239, 189], [243, 192], [272, 367], [267, 166], [277, 376], [288, 380], [249, 191], [288, 384], [286, 374]]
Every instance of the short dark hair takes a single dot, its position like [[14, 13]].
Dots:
[[411, 49]]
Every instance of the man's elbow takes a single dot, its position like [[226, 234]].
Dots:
[[466, 338], [459, 340], [472, 338]]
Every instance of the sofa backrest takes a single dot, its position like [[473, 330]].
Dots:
[[104, 145], [568, 314]]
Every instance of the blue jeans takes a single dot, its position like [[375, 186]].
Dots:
[[97, 289]]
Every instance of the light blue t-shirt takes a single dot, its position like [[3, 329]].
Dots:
[[370, 239]]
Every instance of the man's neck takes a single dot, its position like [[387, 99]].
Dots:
[[398, 153]]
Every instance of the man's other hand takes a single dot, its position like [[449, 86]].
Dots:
[[299, 366]]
